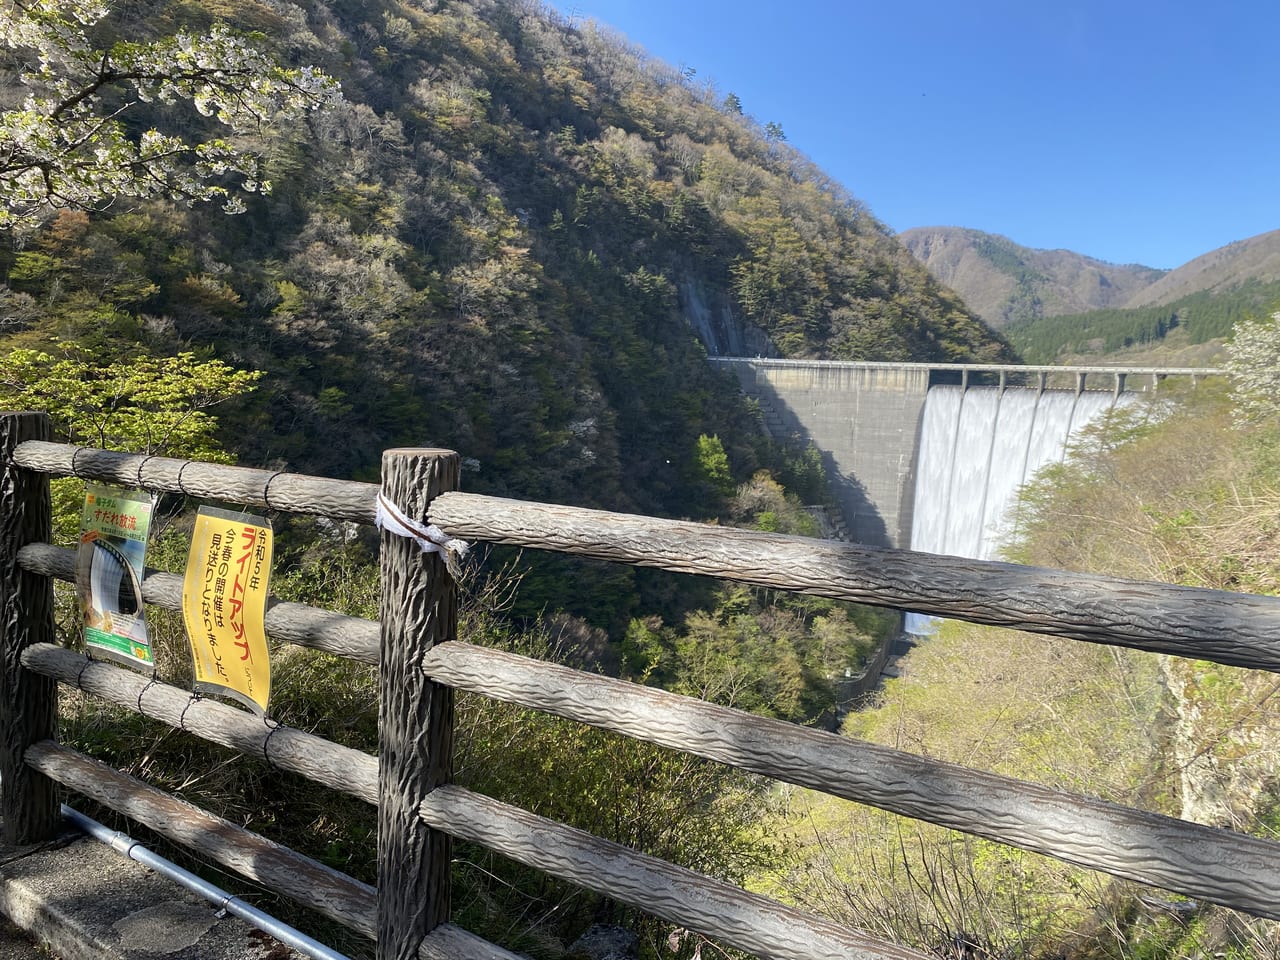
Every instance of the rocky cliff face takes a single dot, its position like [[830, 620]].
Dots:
[[721, 331], [1222, 741]]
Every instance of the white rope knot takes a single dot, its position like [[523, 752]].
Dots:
[[430, 538]]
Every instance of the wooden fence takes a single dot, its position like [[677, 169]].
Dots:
[[421, 664]]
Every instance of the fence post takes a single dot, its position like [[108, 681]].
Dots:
[[415, 715], [28, 702]]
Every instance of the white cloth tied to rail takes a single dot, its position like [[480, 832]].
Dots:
[[430, 538]]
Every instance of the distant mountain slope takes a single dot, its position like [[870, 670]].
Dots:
[[1204, 317], [1201, 300], [1006, 283], [1255, 260]]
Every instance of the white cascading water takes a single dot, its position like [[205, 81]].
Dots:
[[978, 446]]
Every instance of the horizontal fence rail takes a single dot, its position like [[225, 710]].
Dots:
[[332, 765], [351, 637], [451, 942], [1231, 628], [1203, 862], [279, 868], [744, 920], [1238, 629], [275, 490]]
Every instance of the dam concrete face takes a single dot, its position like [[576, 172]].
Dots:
[[863, 419], [866, 419]]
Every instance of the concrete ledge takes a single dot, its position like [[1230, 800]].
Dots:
[[85, 900]]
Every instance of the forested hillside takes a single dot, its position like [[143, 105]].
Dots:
[[507, 240], [1178, 490], [1056, 306], [1199, 318], [1201, 301], [496, 243]]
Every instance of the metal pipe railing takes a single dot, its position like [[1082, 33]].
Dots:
[[134, 850]]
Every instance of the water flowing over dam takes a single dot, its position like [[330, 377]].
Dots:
[[977, 449]]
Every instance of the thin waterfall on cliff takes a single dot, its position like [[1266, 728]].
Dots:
[[978, 447]]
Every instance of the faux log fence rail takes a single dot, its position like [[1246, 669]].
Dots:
[[332, 765], [336, 633], [419, 811], [323, 889], [1232, 628]]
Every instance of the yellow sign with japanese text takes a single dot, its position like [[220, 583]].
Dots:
[[224, 601]]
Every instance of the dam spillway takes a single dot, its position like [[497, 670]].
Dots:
[[874, 422], [864, 421], [978, 447]]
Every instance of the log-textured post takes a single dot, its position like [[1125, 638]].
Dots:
[[28, 701], [415, 715]]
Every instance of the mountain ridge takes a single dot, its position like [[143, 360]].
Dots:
[[1005, 282], [1255, 258], [1010, 285]]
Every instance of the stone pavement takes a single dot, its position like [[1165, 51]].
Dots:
[[84, 901]]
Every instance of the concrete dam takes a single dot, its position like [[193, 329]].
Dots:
[[930, 456]]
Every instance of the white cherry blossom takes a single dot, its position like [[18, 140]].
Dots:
[[1253, 361], [64, 147]]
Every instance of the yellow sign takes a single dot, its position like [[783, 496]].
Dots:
[[224, 600]]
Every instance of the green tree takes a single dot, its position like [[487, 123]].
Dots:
[[143, 404], [714, 475], [733, 104], [70, 142]]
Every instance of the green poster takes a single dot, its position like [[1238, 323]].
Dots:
[[109, 571]]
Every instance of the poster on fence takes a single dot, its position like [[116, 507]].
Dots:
[[224, 601], [109, 570]]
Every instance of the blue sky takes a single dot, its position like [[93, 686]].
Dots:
[[1135, 132]]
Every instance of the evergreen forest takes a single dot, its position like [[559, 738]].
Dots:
[[1202, 317]]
